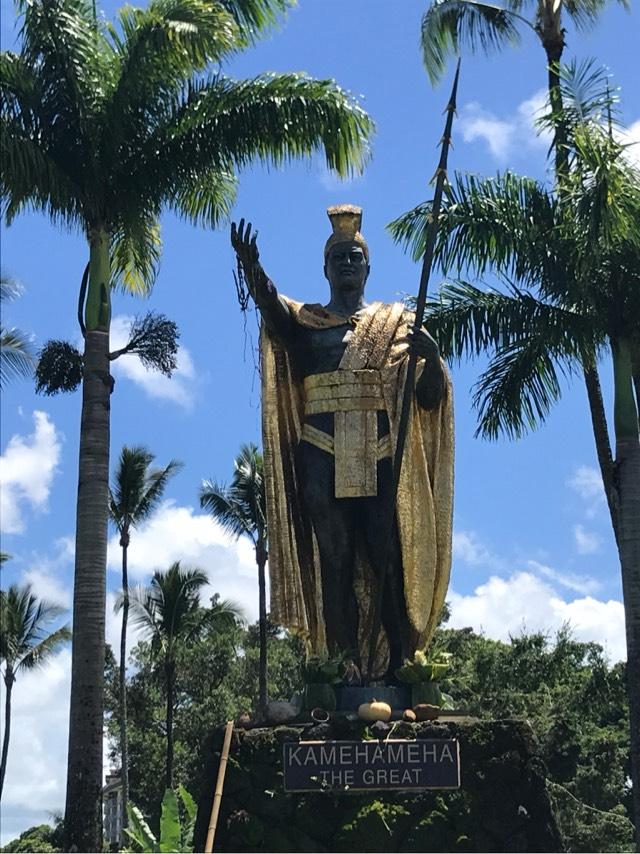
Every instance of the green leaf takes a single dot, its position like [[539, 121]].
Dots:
[[170, 835], [139, 831], [190, 806]]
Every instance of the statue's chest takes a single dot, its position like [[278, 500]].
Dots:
[[322, 349]]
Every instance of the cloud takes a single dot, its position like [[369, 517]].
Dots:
[[179, 388], [504, 136], [36, 766], [501, 608], [587, 542], [578, 583], [468, 548], [27, 469], [179, 533], [630, 136], [586, 482]]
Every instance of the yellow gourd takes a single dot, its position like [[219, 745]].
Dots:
[[376, 710]]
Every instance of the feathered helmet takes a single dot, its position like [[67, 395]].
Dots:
[[346, 221]]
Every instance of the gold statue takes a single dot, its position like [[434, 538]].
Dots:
[[332, 385]]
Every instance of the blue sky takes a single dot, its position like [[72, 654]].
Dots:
[[532, 545]]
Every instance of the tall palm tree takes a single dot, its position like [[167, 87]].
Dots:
[[102, 127], [169, 614], [136, 492], [241, 509], [569, 264], [16, 357], [447, 25], [24, 644]]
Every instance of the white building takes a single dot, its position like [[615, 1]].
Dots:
[[112, 811]]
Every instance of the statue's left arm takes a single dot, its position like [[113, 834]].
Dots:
[[430, 387]]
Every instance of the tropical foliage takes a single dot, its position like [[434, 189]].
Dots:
[[136, 492], [241, 510], [168, 613], [568, 264], [25, 643], [16, 358], [174, 836]]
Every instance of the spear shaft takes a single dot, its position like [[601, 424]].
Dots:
[[407, 397]]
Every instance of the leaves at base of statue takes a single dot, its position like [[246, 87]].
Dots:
[[175, 834], [153, 338]]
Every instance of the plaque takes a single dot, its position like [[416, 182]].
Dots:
[[395, 764]]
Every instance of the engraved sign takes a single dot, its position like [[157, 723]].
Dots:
[[429, 763]]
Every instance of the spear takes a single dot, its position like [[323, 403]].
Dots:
[[427, 262]]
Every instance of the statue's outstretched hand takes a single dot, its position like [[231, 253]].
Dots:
[[246, 248]]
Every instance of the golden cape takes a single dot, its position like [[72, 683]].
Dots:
[[425, 494]]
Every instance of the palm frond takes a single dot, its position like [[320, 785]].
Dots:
[[467, 321], [517, 390], [137, 488], [206, 199], [505, 223], [221, 502], [272, 118], [450, 24], [255, 17], [16, 356], [38, 654], [136, 248], [158, 49], [23, 627], [585, 13]]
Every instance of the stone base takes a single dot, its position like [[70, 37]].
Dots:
[[502, 804]]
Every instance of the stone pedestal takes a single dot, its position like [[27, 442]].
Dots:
[[502, 804]]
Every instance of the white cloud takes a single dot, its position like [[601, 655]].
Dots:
[[37, 762], [178, 533], [27, 469], [578, 583], [630, 136], [586, 482], [587, 542], [179, 388], [504, 607], [468, 548], [504, 136]]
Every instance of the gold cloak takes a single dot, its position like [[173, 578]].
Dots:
[[425, 493]]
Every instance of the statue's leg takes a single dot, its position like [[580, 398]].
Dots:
[[332, 520], [395, 619]]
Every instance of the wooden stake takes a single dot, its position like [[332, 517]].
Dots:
[[217, 797]]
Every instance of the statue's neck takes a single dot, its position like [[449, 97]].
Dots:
[[346, 303]]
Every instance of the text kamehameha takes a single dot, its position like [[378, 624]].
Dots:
[[369, 764]]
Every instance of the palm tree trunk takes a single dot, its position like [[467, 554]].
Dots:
[[83, 811], [124, 746], [169, 669], [603, 445], [628, 477], [261, 559], [9, 679], [550, 31]]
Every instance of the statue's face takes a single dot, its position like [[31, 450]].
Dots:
[[346, 267]]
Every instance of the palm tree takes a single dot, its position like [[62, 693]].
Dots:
[[16, 358], [449, 24], [241, 509], [136, 493], [104, 126], [569, 265], [24, 644], [169, 614]]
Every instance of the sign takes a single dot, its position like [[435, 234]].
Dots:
[[311, 766]]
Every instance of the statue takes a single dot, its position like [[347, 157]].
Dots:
[[332, 385]]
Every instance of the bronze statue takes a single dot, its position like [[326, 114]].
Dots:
[[332, 381]]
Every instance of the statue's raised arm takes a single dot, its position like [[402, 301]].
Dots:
[[274, 310]]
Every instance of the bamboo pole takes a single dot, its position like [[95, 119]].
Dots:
[[217, 797]]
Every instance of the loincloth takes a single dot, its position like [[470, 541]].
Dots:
[[354, 397]]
